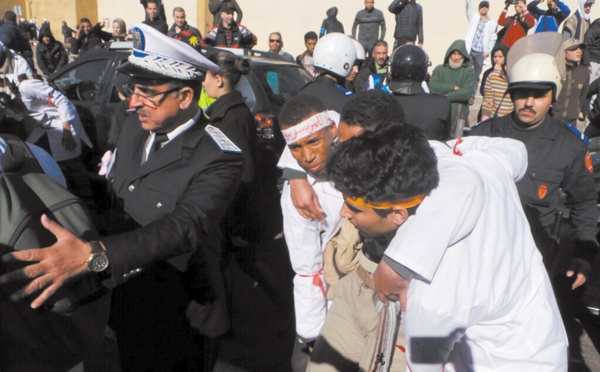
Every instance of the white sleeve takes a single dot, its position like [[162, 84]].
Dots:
[[34, 89], [303, 239], [510, 153], [445, 217], [468, 10], [21, 65]]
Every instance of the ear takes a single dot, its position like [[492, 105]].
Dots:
[[399, 215], [186, 97], [333, 129]]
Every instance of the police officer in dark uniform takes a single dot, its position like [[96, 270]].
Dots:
[[430, 112], [173, 177], [334, 57], [558, 160]]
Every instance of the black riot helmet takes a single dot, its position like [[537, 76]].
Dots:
[[408, 63]]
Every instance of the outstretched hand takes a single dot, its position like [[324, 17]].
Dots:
[[50, 267]]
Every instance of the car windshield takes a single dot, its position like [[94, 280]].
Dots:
[[281, 81], [82, 82]]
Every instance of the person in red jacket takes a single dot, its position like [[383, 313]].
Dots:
[[516, 26]]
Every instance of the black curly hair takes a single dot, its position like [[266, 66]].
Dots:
[[371, 109], [389, 164]]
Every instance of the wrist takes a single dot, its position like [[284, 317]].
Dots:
[[97, 261]]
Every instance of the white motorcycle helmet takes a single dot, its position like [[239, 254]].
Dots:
[[335, 53], [537, 60], [536, 69], [360, 50]]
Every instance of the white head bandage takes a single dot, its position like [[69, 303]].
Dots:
[[306, 128]]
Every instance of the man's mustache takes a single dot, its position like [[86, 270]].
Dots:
[[528, 109]]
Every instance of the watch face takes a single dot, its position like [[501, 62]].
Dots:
[[98, 263]]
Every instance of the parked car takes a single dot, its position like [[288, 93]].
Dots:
[[89, 83]]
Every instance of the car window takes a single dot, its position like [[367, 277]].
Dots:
[[114, 93], [81, 83], [281, 82], [244, 87]]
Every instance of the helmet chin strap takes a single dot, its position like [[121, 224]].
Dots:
[[409, 88]]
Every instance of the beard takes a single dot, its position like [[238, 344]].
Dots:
[[455, 65]]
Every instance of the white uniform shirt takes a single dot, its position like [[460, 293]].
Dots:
[[486, 303], [50, 108], [306, 243]]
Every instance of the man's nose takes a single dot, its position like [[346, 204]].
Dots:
[[308, 155], [529, 101]]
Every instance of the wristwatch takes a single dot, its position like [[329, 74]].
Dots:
[[98, 260]]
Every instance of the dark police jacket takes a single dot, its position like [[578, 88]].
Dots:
[[558, 159], [177, 197], [428, 111], [333, 96]]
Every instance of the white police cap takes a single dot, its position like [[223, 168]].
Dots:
[[157, 56]]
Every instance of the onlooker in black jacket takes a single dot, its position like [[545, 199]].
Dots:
[[376, 64], [182, 31], [331, 23], [229, 34], [409, 20], [214, 6], [591, 54], [50, 53], [66, 31], [155, 15], [88, 37], [13, 37]]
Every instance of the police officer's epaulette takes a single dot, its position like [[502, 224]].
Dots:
[[576, 131], [344, 90], [221, 139]]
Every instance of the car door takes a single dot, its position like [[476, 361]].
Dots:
[[84, 83]]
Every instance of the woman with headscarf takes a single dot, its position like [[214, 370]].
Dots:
[[496, 100], [119, 30], [50, 53]]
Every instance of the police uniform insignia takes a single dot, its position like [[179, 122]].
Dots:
[[580, 86], [542, 191], [221, 139], [138, 39], [576, 131], [588, 162]]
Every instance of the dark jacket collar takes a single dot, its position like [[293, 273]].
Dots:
[[219, 108]]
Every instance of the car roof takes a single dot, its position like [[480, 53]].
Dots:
[[253, 56]]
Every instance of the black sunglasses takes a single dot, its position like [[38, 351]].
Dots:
[[275, 40]]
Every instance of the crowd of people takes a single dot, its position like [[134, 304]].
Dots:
[[418, 240]]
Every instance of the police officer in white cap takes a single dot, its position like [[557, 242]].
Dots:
[[173, 176]]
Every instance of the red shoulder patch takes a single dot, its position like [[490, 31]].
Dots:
[[542, 191], [588, 162]]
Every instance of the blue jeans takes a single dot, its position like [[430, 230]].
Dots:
[[477, 60]]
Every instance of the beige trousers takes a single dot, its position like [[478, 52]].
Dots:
[[347, 339]]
